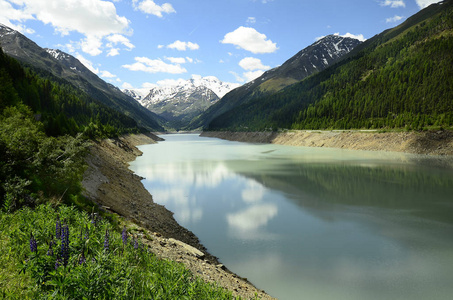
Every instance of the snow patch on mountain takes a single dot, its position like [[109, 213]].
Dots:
[[181, 100], [170, 88], [57, 54]]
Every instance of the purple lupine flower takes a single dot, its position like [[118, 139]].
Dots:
[[65, 244], [57, 264], [106, 240], [87, 233], [33, 244], [124, 235], [135, 243], [50, 251], [94, 219], [58, 228]]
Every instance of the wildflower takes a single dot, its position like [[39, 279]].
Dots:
[[58, 228], [33, 244], [65, 244], [87, 233], [94, 219], [135, 243], [50, 251], [124, 235], [106, 240], [57, 264]]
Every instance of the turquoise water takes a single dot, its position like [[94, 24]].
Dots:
[[312, 223]]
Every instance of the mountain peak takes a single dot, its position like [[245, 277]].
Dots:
[[178, 101]]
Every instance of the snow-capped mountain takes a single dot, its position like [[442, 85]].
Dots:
[[182, 100], [137, 94]]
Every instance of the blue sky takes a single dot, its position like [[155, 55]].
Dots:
[[141, 43]]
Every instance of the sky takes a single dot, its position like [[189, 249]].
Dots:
[[144, 43]]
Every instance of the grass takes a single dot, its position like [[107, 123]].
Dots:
[[95, 261]]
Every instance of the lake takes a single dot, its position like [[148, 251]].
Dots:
[[312, 223]]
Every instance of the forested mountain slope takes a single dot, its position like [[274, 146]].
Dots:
[[67, 67], [59, 106], [306, 62], [401, 78]]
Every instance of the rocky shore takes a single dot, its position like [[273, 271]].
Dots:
[[110, 184], [426, 142]]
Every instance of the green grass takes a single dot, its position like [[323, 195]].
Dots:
[[124, 271]]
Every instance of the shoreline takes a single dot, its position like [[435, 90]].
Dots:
[[110, 184], [428, 143]]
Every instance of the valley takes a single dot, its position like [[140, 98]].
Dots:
[[324, 174]]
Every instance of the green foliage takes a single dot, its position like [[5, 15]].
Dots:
[[126, 270], [398, 79], [33, 164]]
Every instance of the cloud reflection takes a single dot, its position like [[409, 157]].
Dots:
[[254, 192], [248, 223]]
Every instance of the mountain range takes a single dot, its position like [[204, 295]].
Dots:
[[400, 78], [312, 59], [181, 101], [70, 69]]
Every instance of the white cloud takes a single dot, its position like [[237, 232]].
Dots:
[[359, 37], [88, 17], [115, 39], [150, 7], [252, 75], [170, 82], [87, 63], [91, 45], [154, 66], [183, 46], [113, 52], [107, 74], [95, 19], [394, 19], [237, 76], [127, 86], [70, 48], [251, 63], [176, 60], [251, 40], [425, 3], [393, 3], [148, 85]]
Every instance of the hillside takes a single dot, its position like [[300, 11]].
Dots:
[[400, 78], [71, 70], [306, 62]]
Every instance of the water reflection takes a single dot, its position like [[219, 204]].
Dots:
[[317, 223], [248, 224]]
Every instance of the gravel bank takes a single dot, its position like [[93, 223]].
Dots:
[[430, 142]]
